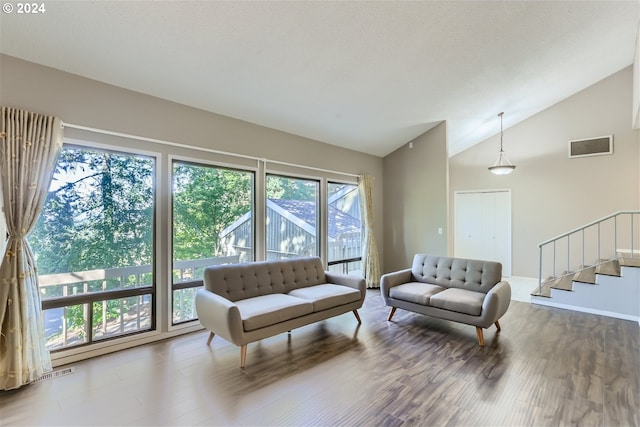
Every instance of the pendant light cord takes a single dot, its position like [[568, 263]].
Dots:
[[501, 132]]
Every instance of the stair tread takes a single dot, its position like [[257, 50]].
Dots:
[[609, 268], [587, 275], [564, 283], [544, 290], [628, 261]]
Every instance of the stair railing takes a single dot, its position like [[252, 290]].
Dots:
[[622, 227]]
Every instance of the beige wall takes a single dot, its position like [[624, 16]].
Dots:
[[552, 194], [90, 103], [415, 199]]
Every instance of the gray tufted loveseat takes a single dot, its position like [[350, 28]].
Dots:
[[461, 290], [247, 302]]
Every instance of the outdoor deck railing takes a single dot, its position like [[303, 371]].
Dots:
[[103, 285]]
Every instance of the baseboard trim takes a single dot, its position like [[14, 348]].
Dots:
[[77, 354], [546, 302]]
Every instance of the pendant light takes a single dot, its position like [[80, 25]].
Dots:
[[502, 166]]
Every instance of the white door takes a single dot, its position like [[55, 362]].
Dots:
[[482, 226]]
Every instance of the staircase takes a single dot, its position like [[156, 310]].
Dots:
[[608, 286]]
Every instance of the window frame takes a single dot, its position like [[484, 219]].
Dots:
[[101, 296], [345, 261], [171, 286], [320, 214]]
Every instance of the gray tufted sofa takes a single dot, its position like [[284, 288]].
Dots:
[[461, 290], [247, 302]]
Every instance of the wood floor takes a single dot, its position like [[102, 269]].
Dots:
[[548, 367]]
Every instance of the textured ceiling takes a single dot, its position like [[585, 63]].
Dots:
[[369, 76]]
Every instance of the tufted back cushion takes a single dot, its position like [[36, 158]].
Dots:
[[240, 281], [474, 275]]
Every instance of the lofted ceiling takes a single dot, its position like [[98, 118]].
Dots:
[[365, 75]]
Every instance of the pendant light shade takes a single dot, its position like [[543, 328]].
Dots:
[[502, 166]]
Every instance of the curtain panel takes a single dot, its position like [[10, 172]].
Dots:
[[29, 147], [370, 259]]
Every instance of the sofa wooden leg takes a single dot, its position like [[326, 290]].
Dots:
[[355, 313], [211, 335], [480, 336], [393, 311], [243, 355], [498, 326]]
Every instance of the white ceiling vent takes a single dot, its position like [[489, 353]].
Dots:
[[591, 146]]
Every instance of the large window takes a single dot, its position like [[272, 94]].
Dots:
[[212, 224], [292, 217], [344, 229], [94, 246]]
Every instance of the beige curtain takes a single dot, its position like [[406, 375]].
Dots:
[[29, 146], [370, 261]]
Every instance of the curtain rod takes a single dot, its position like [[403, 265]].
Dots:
[[209, 150]]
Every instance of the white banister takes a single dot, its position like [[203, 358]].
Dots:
[[588, 225]]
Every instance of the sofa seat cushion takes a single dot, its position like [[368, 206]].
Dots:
[[417, 292], [265, 310], [327, 295], [459, 300]]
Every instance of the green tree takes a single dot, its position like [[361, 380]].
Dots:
[[98, 213], [280, 187], [206, 201]]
